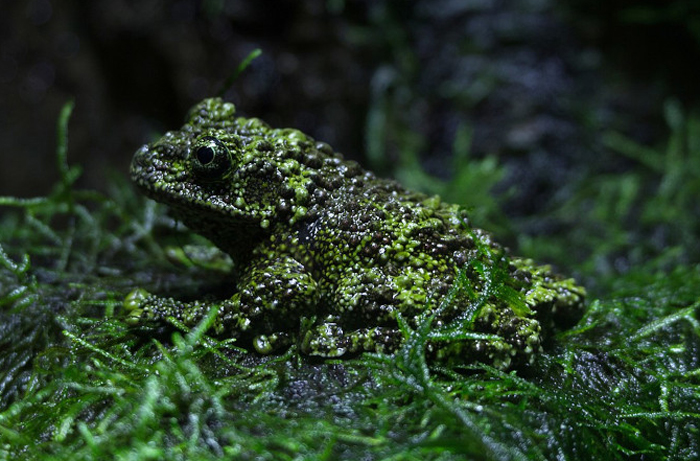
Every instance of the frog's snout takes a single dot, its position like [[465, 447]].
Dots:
[[140, 157]]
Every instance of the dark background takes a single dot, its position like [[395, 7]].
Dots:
[[537, 80]]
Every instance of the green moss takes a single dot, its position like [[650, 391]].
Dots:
[[77, 383], [641, 220]]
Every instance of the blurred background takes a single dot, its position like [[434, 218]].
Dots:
[[549, 120]]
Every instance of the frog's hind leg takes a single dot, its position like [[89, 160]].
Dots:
[[328, 339]]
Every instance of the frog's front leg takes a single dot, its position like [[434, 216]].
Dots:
[[271, 294], [142, 306]]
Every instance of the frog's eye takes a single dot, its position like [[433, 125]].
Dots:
[[211, 159]]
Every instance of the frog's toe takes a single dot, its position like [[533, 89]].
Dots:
[[134, 300], [133, 304], [324, 340], [134, 317], [267, 344]]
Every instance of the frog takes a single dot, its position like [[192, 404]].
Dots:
[[334, 260]]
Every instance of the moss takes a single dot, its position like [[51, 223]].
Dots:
[[77, 383]]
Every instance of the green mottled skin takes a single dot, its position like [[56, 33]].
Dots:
[[326, 254]]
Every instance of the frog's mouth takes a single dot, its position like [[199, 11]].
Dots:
[[155, 177]]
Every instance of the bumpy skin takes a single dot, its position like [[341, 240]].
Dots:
[[326, 254]]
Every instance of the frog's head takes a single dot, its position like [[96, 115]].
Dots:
[[220, 172]]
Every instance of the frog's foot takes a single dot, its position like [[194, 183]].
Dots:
[[267, 344], [329, 340], [518, 336], [133, 305], [144, 307], [522, 334], [503, 343]]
